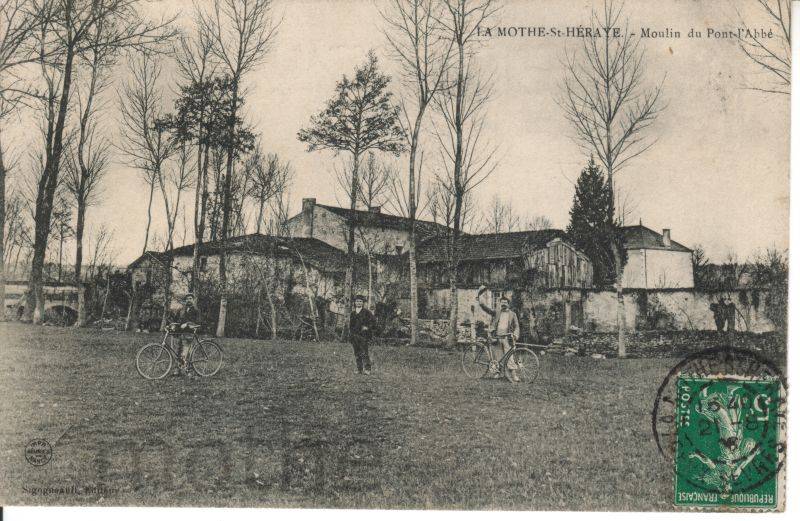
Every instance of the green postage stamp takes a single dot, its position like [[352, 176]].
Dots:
[[729, 445]]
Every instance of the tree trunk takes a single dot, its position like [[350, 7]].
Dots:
[[2, 235], [621, 326], [311, 304], [412, 222], [273, 316], [351, 242], [369, 282], [226, 210], [260, 215], [149, 215], [79, 226], [131, 320], [44, 197], [458, 197], [167, 294], [105, 297]]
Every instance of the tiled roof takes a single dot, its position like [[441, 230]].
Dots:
[[364, 218], [490, 245], [643, 238], [313, 251]]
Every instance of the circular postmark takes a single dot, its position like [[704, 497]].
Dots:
[[38, 452], [719, 418]]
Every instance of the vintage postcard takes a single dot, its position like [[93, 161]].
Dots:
[[395, 254]]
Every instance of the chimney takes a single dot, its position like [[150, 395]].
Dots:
[[308, 216], [665, 239], [375, 209]]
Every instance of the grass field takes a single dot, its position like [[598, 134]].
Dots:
[[291, 424]]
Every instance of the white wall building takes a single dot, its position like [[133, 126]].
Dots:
[[655, 261]]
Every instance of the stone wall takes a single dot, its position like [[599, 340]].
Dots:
[[597, 310], [689, 309]]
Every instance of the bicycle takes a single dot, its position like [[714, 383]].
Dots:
[[478, 358], [154, 361]]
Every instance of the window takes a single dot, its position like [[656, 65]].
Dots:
[[203, 263]]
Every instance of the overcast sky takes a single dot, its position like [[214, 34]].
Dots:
[[717, 176]]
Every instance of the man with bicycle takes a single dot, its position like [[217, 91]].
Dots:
[[184, 321], [505, 325]]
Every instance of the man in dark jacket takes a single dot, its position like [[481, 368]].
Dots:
[[362, 326], [185, 320]]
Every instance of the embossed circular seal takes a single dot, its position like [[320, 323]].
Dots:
[[719, 418], [38, 452]]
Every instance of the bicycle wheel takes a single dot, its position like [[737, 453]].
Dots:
[[153, 361], [525, 365], [475, 360], [206, 358]]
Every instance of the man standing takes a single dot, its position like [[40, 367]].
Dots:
[[362, 325], [185, 320], [505, 324]]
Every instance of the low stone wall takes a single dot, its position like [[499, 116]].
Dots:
[[682, 310], [597, 310]]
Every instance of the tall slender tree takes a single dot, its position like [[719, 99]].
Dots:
[[68, 33], [423, 49], [468, 159], [610, 109], [87, 160], [360, 117], [241, 33], [268, 178]]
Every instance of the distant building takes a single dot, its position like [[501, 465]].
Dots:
[[508, 264], [287, 267], [541, 259], [655, 260], [375, 232]]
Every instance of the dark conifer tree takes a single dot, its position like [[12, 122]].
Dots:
[[590, 228]]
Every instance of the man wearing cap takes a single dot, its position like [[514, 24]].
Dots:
[[185, 319], [362, 325]]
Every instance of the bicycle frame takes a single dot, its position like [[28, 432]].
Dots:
[[492, 340], [170, 335]]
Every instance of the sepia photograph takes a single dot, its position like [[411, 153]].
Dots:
[[485, 255]]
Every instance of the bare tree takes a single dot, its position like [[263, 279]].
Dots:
[[87, 161], [145, 143], [241, 33], [100, 251], [440, 204], [373, 184], [4, 168], [501, 217], [771, 52], [20, 20], [172, 182], [423, 48], [610, 110], [462, 106], [68, 33], [199, 114], [538, 222], [268, 178]]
